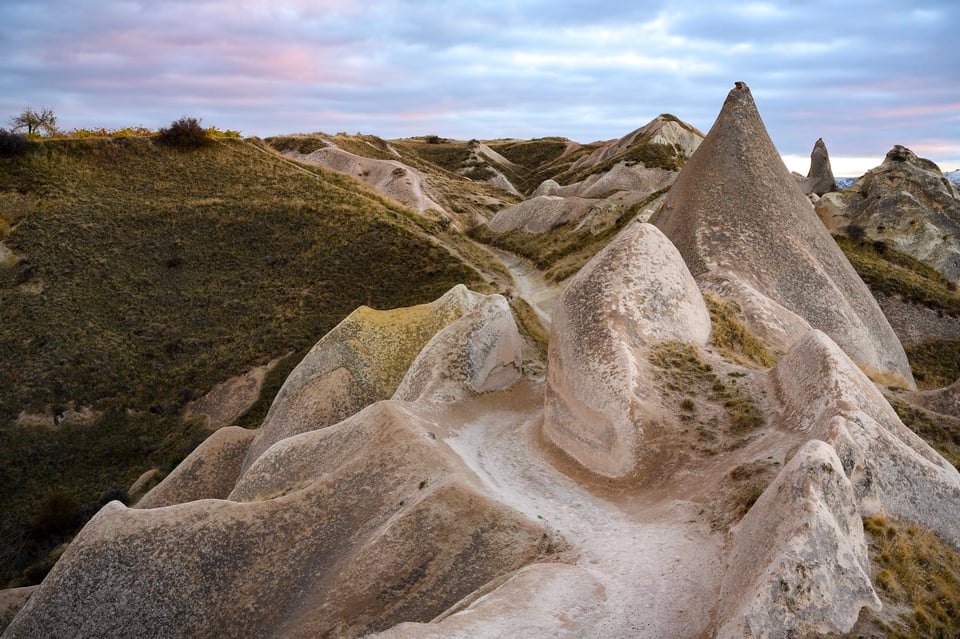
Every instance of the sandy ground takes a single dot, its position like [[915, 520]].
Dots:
[[531, 285], [658, 562]]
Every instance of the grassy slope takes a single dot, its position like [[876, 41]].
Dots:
[[885, 270], [162, 273]]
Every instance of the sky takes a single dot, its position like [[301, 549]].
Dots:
[[863, 74]]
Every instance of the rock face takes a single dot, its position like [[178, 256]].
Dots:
[[209, 472], [907, 202], [778, 583], [600, 408], [360, 361], [735, 213], [390, 177], [820, 178], [479, 353]]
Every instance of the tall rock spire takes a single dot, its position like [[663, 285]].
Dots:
[[746, 229], [820, 178]]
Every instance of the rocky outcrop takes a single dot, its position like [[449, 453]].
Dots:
[[664, 129], [798, 566], [479, 353], [907, 202], [820, 178], [735, 210], [824, 396], [209, 472], [360, 361], [601, 408], [336, 532], [391, 177], [540, 214], [11, 601]]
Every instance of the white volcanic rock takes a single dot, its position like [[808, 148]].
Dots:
[[209, 472], [540, 214], [798, 565], [540, 600], [360, 361], [479, 353], [907, 202], [338, 532], [623, 177], [664, 129], [824, 396], [392, 178], [601, 408], [735, 208]]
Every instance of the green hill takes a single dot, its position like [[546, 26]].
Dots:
[[141, 276]]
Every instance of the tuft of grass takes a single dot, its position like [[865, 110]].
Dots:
[[682, 371], [529, 324], [913, 568], [935, 364], [732, 337], [147, 275]]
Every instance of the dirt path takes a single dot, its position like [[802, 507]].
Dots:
[[658, 563], [531, 285]]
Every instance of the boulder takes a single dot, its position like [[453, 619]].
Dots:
[[601, 407], [735, 208]]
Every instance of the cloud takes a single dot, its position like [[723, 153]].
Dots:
[[864, 75]]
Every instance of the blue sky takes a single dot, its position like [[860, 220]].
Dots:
[[864, 75]]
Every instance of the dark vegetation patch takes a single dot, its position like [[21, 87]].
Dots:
[[940, 431], [564, 249], [539, 159], [886, 270], [184, 134], [935, 364], [147, 275], [916, 574]]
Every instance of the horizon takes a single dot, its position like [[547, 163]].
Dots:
[[864, 79]]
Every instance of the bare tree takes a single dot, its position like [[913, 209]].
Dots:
[[35, 121]]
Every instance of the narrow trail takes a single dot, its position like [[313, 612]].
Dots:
[[530, 284], [657, 561]]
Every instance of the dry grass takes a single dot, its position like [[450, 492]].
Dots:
[[940, 431], [147, 275], [914, 569], [731, 336]]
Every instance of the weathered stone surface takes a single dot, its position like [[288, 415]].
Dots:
[[601, 408], [479, 353], [147, 480], [541, 600], [824, 396], [663, 129], [209, 472], [11, 601], [907, 202], [915, 324], [360, 361], [392, 178], [229, 400], [540, 213], [337, 532], [798, 564], [735, 207], [820, 178]]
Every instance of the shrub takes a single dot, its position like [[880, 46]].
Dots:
[[12, 144], [185, 133]]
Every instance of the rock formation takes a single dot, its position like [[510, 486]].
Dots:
[[907, 202], [360, 361], [736, 215], [820, 178], [600, 407]]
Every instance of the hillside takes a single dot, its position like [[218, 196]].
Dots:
[[140, 277]]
